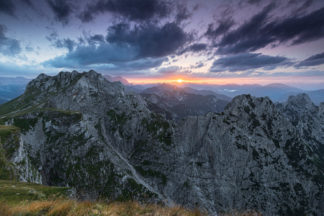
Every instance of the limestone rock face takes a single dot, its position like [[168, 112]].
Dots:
[[82, 131]]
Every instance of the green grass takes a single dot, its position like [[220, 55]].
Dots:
[[22, 102], [6, 131], [9, 140], [27, 199], [25, 123], [6, 168], [13, 192], [75, 208]]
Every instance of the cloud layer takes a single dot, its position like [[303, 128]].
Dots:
[[164, 36], [248, 61], [260, 31], [123, 44], [8, 46], [314, 60], [131, 9], [61, 8]]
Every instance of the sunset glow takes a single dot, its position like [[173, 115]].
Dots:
[[294, 81]]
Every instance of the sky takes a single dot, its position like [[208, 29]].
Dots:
[[149, 41]]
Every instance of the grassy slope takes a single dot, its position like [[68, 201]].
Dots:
[[22, 199], [27, 199], [13, 192], [7, 133]]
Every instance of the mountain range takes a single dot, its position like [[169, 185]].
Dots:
[[176, 102], [277, 92], [11, 88], [82, 131]]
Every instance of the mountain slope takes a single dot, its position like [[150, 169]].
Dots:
[[11, 88], [82, 131], [317, 96], [276, 91]]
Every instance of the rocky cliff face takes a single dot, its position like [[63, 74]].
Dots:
[[82, 131]]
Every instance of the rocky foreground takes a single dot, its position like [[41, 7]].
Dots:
[[81, 131]]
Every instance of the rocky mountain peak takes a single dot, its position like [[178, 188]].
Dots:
[[300, 107], [50, 83], [70, 91], [248, 103], [321, 108], [53, 84], [300, 100]]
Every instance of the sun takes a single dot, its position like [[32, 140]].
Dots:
[[179, 80]]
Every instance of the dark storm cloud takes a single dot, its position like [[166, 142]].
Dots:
[[169, 70], [248, 61], [110, 61], [182, 13], [28, 2], [8, 46], [260, 31], [314, 60], [65, 43], [249, 36], [6, 6], [197, 47], [140, 64], [61, 8], [126, 67], [222, 28], [125, 44], [199, 65], [130, 9], [61, 43], [303, 7], [92, 54], [96, 39], [28, 48], [149, 39], [251, 2], [52, 36], [254, 1]]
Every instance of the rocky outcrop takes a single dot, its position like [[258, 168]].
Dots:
[[82, 131]]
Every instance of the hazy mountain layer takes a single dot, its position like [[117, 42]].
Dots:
[[11, 88], [176, 102]]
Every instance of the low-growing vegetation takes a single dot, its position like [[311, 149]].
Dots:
[[28, 199], [74, 208], [6, 131], [13, 193], [8, 144]]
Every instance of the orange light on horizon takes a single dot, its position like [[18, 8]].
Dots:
[[177, 80]]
